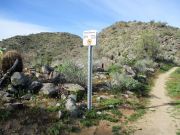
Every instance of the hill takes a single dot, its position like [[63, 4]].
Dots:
[[127, 42], [43, 48], [121, 43]]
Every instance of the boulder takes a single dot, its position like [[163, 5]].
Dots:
[[11, 89], [6, 97], [26, 97], [46, 69], [49, 89], [71, 107], [74, 89], [35, 87], [14, 106], [56, 77], [18, 79]]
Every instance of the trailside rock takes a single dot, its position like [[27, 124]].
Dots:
[[46, 69], [35, 87], [56, 77], [71, 107], [6, 97], [18, 79], [49, 89], [74, 89]]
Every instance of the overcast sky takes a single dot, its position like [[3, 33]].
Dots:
[[22, 17]]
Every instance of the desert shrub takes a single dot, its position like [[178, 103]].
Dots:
[[141, 65], [166, 66], [147, 45], [161, 24], [114, 68], [122, 83], [72, 72]]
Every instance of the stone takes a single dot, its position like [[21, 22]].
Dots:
[[60, 114], [56, 77], [6, 97], [58, 104], [130, 92], [71, 107], [18, 80], [26, 97], [14, 106], [75, 89], [46, 69], [125, 95], [49, 89], [150, 70], [99, 113], [12, 90], [35, 87], [73, 96]]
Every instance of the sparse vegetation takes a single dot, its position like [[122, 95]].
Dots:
[[173, 85], [72, 72]]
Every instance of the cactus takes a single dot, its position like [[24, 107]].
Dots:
[[8, 60]]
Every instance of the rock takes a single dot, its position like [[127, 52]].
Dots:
[[129, 71], [56, 77], [130, 92], [71, 107], [6, 97], [12, 90], [35, 87], [74, 89], [46, 69], [98, 99], [150, 70], [63, 96], [14, 106], [26, 97], [18, 80], [125, 95], [49, 89], [58, 104], [60, 114], [74, 97], [99, 113]]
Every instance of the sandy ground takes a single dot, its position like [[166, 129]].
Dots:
[[159, 120]]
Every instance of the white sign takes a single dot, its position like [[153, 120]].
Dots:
[[89, 38]]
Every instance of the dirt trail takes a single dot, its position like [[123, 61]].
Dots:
[[158, 120]]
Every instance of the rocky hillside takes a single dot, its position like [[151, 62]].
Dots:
[[127, 42], [45, 47], [122, 43]]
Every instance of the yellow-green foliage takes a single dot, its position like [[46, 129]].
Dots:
[[8, 60], [147, 45]]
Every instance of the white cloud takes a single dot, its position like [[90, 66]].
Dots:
[[9, 28]]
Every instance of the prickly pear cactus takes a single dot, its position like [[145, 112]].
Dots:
[[8, 60]]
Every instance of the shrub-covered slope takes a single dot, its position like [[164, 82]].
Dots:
[[127, 42], [45, 47]]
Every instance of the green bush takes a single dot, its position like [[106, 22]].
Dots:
[[124, 82], [114, 68], [148, 45], [72, 72], [141, 65]]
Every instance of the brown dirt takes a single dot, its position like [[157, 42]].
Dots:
[[158, 120]]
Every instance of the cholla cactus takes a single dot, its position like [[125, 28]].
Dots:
[[8, 60]]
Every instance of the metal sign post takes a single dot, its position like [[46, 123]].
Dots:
[[89, 96], [89, 39]]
